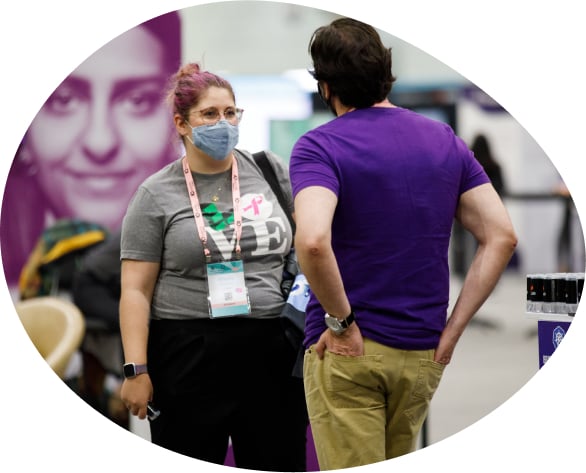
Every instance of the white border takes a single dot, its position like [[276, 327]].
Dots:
[[525, 55]]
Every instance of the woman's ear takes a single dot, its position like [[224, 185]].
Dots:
[[181, 125]]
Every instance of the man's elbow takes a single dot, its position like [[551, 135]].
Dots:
[[500, 240], [508, 241], [311, 246]]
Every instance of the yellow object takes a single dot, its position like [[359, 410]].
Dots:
[[66, 238], [73, 243], [55, 326]]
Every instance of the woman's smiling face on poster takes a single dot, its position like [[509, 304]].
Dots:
[[104, 130]]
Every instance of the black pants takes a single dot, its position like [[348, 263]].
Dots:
[[215, 379]]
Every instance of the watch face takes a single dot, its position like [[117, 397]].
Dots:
[[129, 371], [334, 324]]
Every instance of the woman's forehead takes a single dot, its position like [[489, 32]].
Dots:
[[216, 97], [134, 54]]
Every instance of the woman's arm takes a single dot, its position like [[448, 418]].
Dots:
[[138, 281]]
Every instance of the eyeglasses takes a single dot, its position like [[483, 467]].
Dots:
[[211, 116]]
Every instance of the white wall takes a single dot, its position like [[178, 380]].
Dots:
[[250, 37], [259, 37]]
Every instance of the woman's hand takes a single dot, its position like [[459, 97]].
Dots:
[[136, 393]]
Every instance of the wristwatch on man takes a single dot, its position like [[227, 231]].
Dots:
[[132, 370], [339, 326]]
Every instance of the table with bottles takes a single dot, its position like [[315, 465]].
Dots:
[[552, 300]]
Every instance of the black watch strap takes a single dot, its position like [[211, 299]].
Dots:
[[348, 320]]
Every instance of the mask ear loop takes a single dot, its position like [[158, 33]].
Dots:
[[325, 100], [188, 135], [186, 122], [321, 93]]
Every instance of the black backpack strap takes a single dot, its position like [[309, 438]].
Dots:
[[269, 173]]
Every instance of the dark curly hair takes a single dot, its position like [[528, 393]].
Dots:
[[350, 57]]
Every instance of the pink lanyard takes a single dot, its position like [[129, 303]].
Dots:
[[199, 221]]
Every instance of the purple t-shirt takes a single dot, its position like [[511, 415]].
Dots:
[[398, 176]]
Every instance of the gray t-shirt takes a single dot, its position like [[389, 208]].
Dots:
[[159, 226]]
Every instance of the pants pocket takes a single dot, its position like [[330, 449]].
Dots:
[[428, 379], [425, 385], [351, 381]]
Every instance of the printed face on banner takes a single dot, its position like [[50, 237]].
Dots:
[[103, 130]]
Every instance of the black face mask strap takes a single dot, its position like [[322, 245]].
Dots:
[[327, 102]]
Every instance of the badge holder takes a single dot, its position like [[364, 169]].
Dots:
[[228, 295]]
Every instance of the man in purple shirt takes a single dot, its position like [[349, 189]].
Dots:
[[376, 191]]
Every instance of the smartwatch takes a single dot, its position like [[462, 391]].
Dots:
[[132, 370], [339, 326]]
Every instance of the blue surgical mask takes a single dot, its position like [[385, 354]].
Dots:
[[215, 140]]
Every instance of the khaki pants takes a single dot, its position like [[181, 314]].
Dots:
[[370, 408]]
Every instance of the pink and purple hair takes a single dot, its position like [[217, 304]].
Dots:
[[188, 85]]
